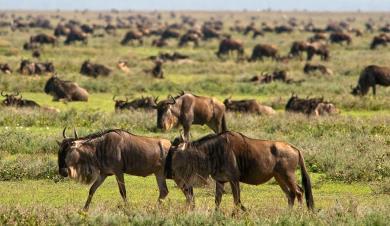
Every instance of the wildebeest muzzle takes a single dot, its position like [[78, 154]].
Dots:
[[63, 172]]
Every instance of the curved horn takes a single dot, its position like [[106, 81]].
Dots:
[[75, 133], [2, 94], [171, 97], [156, 99], [113, 98], [63, 133], [17, 93]]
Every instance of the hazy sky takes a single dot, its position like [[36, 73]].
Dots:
[[317, 5]]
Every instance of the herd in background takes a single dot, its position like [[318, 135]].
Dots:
[[141, 26]]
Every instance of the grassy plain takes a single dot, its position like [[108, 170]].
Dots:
[[347, 155]]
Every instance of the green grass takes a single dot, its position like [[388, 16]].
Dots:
[[347, 155]]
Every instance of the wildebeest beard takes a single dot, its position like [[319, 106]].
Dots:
[[82, 164]]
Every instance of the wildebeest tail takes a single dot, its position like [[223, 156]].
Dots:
[[306, 183], [224, 126]]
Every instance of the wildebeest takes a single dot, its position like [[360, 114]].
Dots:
[[91, 159], [283, 29], [187, 109], [76, 35], [250, 106], [5, 68], [169, 56], [94, 70], [297, 48], [310, 68], [170, 33], [210, 33], [381, 39], [31, 68], [340, 37], [278, 75], [12, 100], [317, 48], [30, 46], [310, 106], [147, 103], [66, 90], [157, 70], [318, 37], [189, 37], [43, 39], [131, 36], [229, 45], [234, 158], [159, 42], [264, 50], [61, 30], [370, 77]]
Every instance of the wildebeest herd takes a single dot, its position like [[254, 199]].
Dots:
[[225, 156]]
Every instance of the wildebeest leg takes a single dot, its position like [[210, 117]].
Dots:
[[92, 190], [284, 187], [162, 186], [121, 184], [373, 90], [294, 190], [218, 193], [236, 194]]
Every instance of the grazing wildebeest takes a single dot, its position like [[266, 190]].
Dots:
[[381, 39], [340, 37], [283, 29], [250, 106], [189, 37], [297, 48], [229, 45], [264, 50], [317, 48], [187, 109], [370, 77], [310, 68], [43, 39], [67, 90], [36, 54], [159, 42], [5, 68], [210, 33], [234, 158], [278, 75], [76, 35], [94, 70], [91, 159], [87, 29], [31, 68], [310, 106], [12, 100], [147, 103], [131, 36]]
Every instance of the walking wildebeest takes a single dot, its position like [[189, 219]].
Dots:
[[340, 37], [43, 39], [131, 36], [12, 100], [187, 109], [189, 37], [250, 106], [310, 68], [92, 158], [94, 70], [264, 50], [67, 90], [147, 103], [234, 158], [229, 45], [370, 77]]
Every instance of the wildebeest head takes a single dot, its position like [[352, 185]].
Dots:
[[165, 117], [10, 99], [76, 159], [51, 84], [119, 104]]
